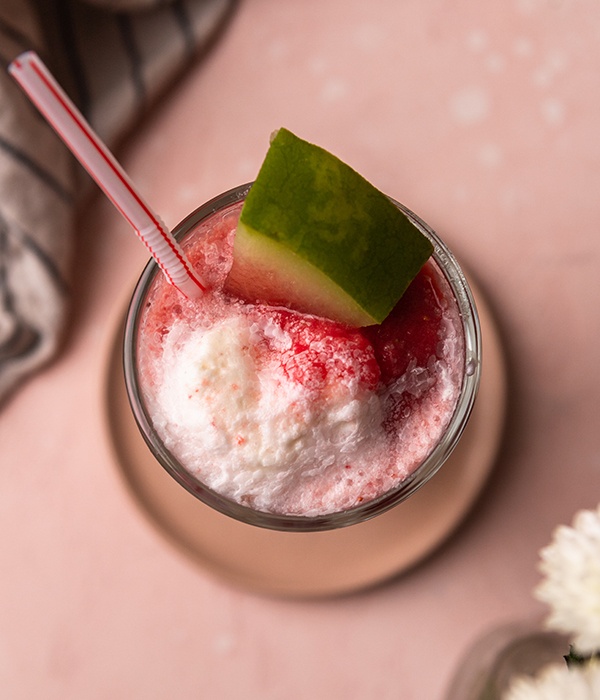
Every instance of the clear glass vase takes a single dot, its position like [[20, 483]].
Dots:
[[489, 666]]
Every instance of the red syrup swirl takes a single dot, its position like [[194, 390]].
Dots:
[[412, 331], [408, 343]]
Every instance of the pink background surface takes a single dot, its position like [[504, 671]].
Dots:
[[485, 120]]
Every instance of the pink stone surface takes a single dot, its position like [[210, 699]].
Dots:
[[482, 118]]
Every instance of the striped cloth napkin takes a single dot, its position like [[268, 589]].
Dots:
[[113, 57]]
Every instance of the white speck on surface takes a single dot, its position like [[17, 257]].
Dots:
[[333, 90], [477, 40], [512, 199], [542, 77], [553, 65], [246, 169], [317, 65], [522, 47], [553, 111], [470, 105], [224, 643], [188, 194], [461, 194], [557, 61], [495, 63], [490, 155], [527, 7], [277, 49], [369, 37]]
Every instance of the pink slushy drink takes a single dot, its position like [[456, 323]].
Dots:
[[288, 419]]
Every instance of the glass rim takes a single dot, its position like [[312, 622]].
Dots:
[[447, 263]]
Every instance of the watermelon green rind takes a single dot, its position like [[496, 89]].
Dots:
[[311, 221]]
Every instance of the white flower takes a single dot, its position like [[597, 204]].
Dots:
[[558, 682], [571, 588]]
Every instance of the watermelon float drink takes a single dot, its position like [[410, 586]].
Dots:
[[292, 420]]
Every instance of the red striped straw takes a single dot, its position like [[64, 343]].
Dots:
[[43, 90]]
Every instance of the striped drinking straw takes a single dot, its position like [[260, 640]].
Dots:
[[43, 90]]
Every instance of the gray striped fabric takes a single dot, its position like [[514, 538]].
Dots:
[[113, 57]]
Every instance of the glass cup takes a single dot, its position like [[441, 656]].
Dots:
[[364, 511]]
